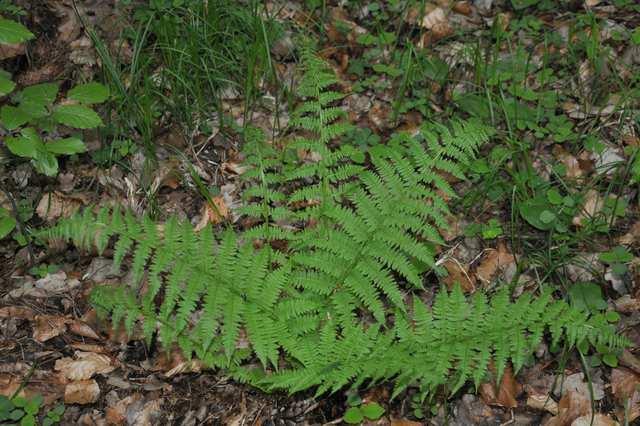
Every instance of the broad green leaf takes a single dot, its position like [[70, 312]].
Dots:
[[89, 93], [78, 116], [6, 85], [618, 254], [7, 224], [13, 117], [68, 146], [39, 94], [33, 110], [26, 145], [12, 32], [372, 410], [45, 163], [353, 416], [587, 297]]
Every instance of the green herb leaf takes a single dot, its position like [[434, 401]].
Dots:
[[39, 94], [587, 297], [353, 416], [12, 32], [26, 145], [89, 93], [372, 410], [13, 117], [6, 85], [77, 116], [68, 146]]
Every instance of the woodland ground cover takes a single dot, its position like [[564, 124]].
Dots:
[[399, 212]]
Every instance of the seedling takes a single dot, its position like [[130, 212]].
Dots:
[[24, 412], [358, 413]]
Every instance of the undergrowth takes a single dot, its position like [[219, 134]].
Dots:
[[326, 288]]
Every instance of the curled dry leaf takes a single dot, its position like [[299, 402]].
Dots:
[[593, 203], [572, 406], [83, 329], [48, 326], [82, 392], [213, 213], [17, 312], [189, 366], [597, 420], [55, 205], [505, 395], [459, 274], [84, 366], [539, 401], [117, 413], [496, 260], [627, 304]]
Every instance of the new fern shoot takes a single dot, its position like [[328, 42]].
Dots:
[[340, 303]]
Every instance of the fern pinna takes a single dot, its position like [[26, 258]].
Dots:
[[340, 303]]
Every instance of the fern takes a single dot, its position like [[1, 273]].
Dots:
[[329, 308]]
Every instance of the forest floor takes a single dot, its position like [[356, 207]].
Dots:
[[552, 199]]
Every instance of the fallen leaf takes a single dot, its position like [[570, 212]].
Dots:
[[433, 17], [57, 283], [82, 392], [496, 260], [404, 422], [117, 414], [55, 205], [189, 366], [17, 312], [597, 420], [84, 366], [144, 414], [83, 329], [459, 274], [213, 213], [627, 304], [571, 406], [505, 395], [48, 326], [539, 401], [592, 205]]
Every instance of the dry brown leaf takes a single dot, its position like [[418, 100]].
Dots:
[[459, 274], [88, 347], [55, 205], [433, 17], [85, 366], [571, 406], [17, 312], [189, 366], [8, 51], [624, 383], [81, 392], [539, 401], [506, 394], [117, 414], [83, 329], [48, 326], [404, 422], [147, 414], [213, 213], [627, 304], [597, 420], [632, 236], [495, 261], [593, 203]]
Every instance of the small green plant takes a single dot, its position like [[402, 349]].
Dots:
[[34, 105], [356, 414], [43, 270], [24, 411], [7, 223], [587, 297], [617, 258]]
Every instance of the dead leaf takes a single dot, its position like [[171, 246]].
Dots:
[[506, 394], [213, 213], [81, 392], [404, 422], [597, 420], [433, 17], [117, 414], [189, 366], [496, 260], [627, 304], [624, 383], [85, 366], [83, 329], [593, 203], [17, 312], [55, 205], [57, 283], [144, 414], [8, 51], [572, 406], [632, 236], [539, 401], [458, 273], [48, 326]]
